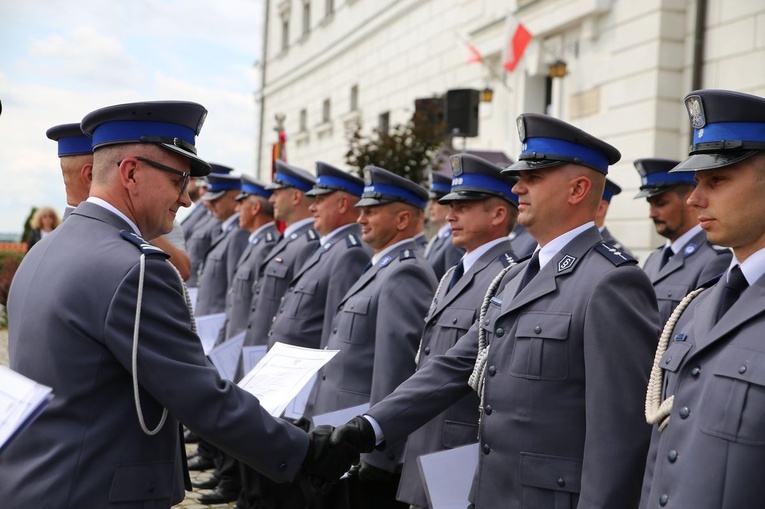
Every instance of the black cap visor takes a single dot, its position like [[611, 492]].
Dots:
[[712, 161], [465, 195], [531, 164], [321, 190]]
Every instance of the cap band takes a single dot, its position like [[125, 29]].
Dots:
[[730, 131], [224, 185], [253, 189], [382, 190], [327, 181], [486, 182], [131, 130], [283, 178], [438, 187], [661, 178], [74, 145], [554, 149]]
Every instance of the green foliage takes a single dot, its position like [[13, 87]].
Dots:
[[408, 150]]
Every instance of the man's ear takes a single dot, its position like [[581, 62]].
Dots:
[[86, 175], [580, 187], [127, 171]]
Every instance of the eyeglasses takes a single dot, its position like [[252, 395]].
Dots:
[[186, 176]]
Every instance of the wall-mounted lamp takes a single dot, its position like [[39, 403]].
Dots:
[[558, 69], [486, 95]]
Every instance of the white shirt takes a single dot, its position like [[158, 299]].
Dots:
[[254, 234], [554, 246], [111, 208], [753, 267], [469, 259], [297, 224]]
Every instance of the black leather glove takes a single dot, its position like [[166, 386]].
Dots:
[[370, 473], [324, 461], [302, 423], [357, 433]]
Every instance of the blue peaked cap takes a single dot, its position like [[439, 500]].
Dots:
[[71, 140]]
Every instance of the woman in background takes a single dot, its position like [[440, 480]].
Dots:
[[44, 220]]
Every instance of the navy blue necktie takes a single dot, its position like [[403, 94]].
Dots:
[[457, 273], [665, 256], [532, 269], [732, 291]]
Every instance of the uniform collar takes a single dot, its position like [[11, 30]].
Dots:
[[753, 267], [379, 256], [296, 226], [111, 208], [225, 225], [683, 239], [554, 246], [257, 232], [334, 233], [470, 258]]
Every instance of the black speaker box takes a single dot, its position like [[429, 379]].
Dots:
[[462, 112]]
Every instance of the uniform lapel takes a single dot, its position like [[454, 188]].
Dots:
[[315, 257], [365, 278], [563, 263], [748, 306]]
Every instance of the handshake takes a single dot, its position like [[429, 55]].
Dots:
[[332, 451]]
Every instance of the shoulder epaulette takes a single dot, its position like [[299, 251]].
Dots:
[[312, 235], [144, 246], [270, 237], [615, 256], [405, 254], [352, 240]]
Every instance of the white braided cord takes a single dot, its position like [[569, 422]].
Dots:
[[656, 410]]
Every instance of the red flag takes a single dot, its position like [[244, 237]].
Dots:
[[473, 54], [516, 46]]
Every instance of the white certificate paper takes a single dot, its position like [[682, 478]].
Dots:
[[225, 357], [21, 401], [282, 373], [448, 476], [208, 328]]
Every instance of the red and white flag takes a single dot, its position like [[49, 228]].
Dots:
[[518, 40], [473, 55]]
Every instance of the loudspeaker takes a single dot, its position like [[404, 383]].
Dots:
[[462, 112]]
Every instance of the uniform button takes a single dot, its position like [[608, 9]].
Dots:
[[742, 369], [323, 377], [352, 306], [486, 321], [538, 329], [695, 371], [486, 449], [291, 288], [282, 467], [561, 482], [433, 322], [499, 332], [667, 360], [427, 350], [487, 409], [684, 412], [492, 371], [334, 330], [663, 500], [454, 320], [672, 456]]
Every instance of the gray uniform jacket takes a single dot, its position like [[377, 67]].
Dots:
[[698, 262], [442, 255], [72, 311], [239, 295], [282, 262], [450, 316], [711, 453], [206, 230], [216, 274], [523, 243], [317, 288], [377, 328], [610, 239], [563, 418], [191, 221]]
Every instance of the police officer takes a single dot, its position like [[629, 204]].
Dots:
[[482, 211], [76, 160], [611, 190], [440, 252], [379, 322], [204, 231], [110, 332], [297, 243], [687, 258], [216, 274], [563, 342], [256, 215], [706, 448]]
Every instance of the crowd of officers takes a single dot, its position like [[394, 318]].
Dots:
[[522, 324]]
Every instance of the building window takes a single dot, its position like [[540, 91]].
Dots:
[[330, 7], [354, 98], [306, 17], [303, 120], [326, 111], [285, 33], [383, 124]]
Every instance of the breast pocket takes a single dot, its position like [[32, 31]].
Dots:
[[670, 361], [550, 481], [142, 481], [353, 325], [213, 264], [541, 350], [242, 280], [452, 325], [671, 294], [297, 303], [275, 280], [734, 401]]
